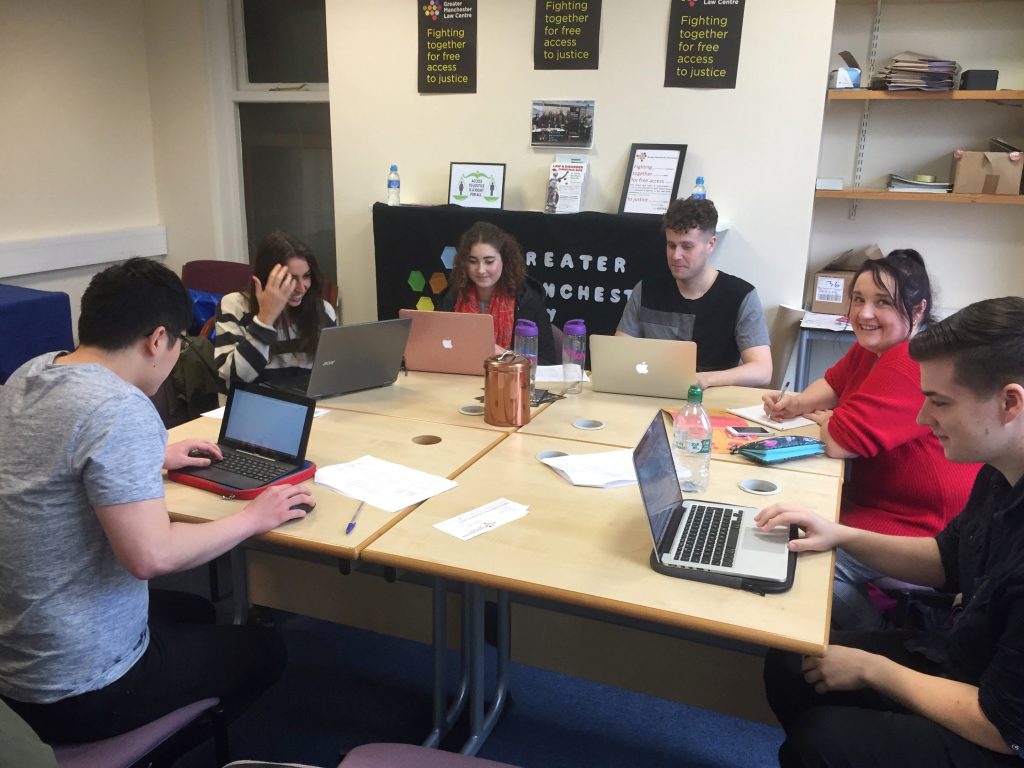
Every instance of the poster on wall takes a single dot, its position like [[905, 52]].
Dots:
[[703, 43], [566, 34], [652, 178], [447, 46], [562, 123]]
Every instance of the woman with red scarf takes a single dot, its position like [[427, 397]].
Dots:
[[489, 277]]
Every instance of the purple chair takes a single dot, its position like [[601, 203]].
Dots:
[[215, 276], [160, 742], [411, 756]]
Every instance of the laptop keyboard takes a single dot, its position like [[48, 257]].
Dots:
[[257, 469], [710, 536]]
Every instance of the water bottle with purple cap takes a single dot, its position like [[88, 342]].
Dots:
[[574, 354], [525, 344]]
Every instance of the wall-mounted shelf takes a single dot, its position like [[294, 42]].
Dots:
[[862, 94], [861, 193]]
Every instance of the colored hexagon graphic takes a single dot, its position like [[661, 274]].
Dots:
[[425, 304], [448, 256], [438, 282], [417, 281]]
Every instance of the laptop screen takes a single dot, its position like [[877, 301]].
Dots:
[[266, 422], [656, 475]]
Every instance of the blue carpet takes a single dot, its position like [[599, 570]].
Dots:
[[345, 687]]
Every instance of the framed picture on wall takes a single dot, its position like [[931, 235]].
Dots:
[[652, 178], [477, 185]]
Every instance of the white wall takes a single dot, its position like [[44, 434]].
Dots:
[[85, 148], [972, 251], [756, 144]]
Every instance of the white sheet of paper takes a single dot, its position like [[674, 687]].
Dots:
[[756, 414], [554, 373], [218, 413], [482, 519], [607, 469], [382, 484]]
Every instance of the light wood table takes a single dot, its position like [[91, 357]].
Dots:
[[435, 397], [591, 547], [625, 417], [337, 437]]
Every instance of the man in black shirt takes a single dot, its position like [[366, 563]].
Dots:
[[952, 696], [718, 311]]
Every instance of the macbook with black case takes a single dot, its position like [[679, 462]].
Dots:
[[263, 437], [632, 366], [706, 540], [448, 342], [350, 358]]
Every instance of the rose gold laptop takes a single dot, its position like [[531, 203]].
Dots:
[[448, 342]]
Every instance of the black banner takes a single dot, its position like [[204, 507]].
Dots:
[[566, 34], [587, 262], [447, 46], [703, 43]]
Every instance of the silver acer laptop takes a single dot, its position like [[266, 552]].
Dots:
[[652, 367], [350, 358], [705, 540], [448, 342]]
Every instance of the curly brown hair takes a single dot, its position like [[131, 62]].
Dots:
[[513, 267]]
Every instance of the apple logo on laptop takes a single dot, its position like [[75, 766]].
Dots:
[[641, 367], [446, 343]]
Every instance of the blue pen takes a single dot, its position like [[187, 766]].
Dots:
[[352, 523]]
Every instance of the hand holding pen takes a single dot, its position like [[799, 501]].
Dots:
[[775, 402]]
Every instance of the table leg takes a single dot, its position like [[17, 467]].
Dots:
[[482, 722], [443, 719], [239, 586]]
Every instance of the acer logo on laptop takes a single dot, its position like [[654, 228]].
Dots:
[[326, 363], [641, 367]]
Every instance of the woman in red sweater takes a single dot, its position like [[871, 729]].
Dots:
[[867, 406]]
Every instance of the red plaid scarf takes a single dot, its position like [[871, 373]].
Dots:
[[502, 308]]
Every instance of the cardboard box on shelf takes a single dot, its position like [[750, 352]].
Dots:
[[830, 290], [987, 173]]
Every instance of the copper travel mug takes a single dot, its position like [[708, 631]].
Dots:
[[507, 390]]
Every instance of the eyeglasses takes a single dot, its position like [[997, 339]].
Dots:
[[186, 342]]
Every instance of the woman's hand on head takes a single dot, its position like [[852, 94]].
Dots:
[[273, 297]]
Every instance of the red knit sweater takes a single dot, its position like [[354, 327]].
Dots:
[[902, 482]]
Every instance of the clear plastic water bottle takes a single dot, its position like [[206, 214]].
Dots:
[[691, 442], [525, 344], [394, 186], [700, 192], [574, 354]]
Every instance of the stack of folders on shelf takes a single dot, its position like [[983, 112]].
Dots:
[[899, 183], [909, 71]]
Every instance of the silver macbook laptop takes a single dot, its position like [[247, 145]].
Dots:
[[704, 540], [350, 358], [448, 342], [652, 367]]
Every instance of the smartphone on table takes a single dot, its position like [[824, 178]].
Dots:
[[751, 431]]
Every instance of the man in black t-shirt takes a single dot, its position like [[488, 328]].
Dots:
[[952, 696], [718, 311]]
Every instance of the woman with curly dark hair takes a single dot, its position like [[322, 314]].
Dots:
[[271, 330], [489, 277]]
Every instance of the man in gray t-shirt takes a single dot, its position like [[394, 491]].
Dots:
[[720, 312], [85, 525]]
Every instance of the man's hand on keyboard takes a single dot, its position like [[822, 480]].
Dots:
[[190, 453]]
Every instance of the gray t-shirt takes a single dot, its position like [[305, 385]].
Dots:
[[72, 438]]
